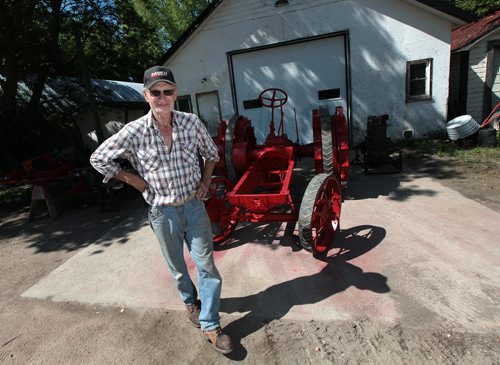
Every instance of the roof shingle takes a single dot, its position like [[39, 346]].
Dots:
[[469, 33]]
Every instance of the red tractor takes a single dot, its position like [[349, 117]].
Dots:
[[262, 175]]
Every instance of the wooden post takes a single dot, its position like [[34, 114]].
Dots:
[[40, 191]]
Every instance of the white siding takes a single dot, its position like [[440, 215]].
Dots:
[[476, 77], [495, 97], [383, 36]]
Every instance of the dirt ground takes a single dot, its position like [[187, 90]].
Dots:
[[43, 331], [479, 181]]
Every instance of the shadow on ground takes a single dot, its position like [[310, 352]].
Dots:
[[336, 276], [81, 223]]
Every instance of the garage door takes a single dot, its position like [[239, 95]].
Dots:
[[311, 72]]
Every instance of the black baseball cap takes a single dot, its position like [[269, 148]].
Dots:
[[158, 74]]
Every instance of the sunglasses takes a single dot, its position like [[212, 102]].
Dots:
[[157, 93]]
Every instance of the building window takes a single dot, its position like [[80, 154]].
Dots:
[[419, 80], [208, 105], [183, 104]]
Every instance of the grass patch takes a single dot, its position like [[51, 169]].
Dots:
[[455, 149], [473, 155]]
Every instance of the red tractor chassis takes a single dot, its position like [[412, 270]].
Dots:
[[263, 173]]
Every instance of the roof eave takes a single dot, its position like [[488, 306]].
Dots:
[[473, 42], [449, 12]]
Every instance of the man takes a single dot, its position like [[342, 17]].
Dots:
[[163, 148]]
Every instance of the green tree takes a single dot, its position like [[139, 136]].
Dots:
[[120, 45], [478, 7], [37, 41], [29, 32], [171, 17]]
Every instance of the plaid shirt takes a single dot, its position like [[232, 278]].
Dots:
[[172, 176]]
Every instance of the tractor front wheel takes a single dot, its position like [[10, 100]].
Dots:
[[319, 215]]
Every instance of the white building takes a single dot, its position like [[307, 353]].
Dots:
[[372, 57], [475, 68]]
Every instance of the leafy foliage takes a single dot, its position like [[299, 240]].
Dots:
[[479, 7], [170, 17], [37, 41]]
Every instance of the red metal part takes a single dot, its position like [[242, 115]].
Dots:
[[274, 98], [235, 146], [242, 156], [342, 145], [220, 142], [318, 158], [326, 215], [494, 114], [222, 215], [262, 193], [243, 131], [244, 142], [39, 172]]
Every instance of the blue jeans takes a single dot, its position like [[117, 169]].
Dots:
[[190, 223]]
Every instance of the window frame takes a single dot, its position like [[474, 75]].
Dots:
[[428, 80], [184, 97]]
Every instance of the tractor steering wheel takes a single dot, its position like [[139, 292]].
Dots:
[[269, 99]]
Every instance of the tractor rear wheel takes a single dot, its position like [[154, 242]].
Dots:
[[326, 139], [220, 211], [319, 215]]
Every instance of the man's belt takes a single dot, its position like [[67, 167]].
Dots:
[[182, 202]]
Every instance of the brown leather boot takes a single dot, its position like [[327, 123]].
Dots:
[[220, 341], [193, 312]]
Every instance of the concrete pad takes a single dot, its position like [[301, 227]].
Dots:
[[408, 247]]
